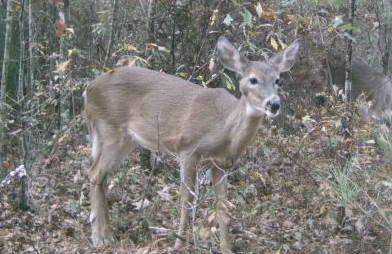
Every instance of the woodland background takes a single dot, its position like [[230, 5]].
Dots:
[[317, 180]]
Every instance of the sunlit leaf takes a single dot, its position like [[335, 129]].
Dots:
[[151, 45], [127, 47], [268, 13], [259, 9], [228, 20], [282, 44], [163, 49], [228, 82], [337, 21], [70, 29], [213, 17], [274, 44], [74, 52], [62, 67]]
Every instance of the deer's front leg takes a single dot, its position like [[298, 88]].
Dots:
[[187, 192], [219, 179]]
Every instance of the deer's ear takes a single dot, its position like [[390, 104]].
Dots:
[[230, 57], [285, 60]]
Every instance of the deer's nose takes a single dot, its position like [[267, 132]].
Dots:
[[274, 106]]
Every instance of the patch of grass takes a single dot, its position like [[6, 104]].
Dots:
[[384, 140], [344, 187]]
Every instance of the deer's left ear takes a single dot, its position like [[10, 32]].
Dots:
[[285, 59], [230, 57]]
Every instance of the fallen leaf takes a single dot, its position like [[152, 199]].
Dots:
[[259, 10], [274, 44]]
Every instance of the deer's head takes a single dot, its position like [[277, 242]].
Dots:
[[259, 79]]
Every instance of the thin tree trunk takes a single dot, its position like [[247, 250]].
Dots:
[[387, 57], [21, 76], [60, 100], [31, 52], [21, 55], [112, 30], [4, 75], [348, 79], [22, 197], [150, 21], [23, 186]]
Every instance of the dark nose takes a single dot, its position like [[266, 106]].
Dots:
[[275, 106]]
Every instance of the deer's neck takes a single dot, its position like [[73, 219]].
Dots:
[[241, 125]]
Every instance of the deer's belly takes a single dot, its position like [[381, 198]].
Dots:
[[154, 141]]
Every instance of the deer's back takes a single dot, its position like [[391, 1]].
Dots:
[[156, 106]]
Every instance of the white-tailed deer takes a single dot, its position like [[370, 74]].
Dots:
[[157, 111], [366, 80]]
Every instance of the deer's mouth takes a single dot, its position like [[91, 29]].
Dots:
[[272, 109], [269, 107], [271, 114], [264, 110]]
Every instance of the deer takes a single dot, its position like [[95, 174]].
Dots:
[[134, 106], [367, 83]]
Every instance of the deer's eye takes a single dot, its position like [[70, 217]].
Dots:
[[278, 82], [253, 81]]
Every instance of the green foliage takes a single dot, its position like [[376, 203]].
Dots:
[[384, 141], [344, 185], [330, 145], [247, 18], [228, 82], [228, 20], [335, 4]]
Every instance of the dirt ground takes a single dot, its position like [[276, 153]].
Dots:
[[284, 197]]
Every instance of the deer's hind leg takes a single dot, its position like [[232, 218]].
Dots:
[[110, 146]]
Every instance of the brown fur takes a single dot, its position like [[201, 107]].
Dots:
[[133, 105], [366, 80]]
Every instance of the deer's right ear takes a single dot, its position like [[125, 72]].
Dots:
[[230, 57]]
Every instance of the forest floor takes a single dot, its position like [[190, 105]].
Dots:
[[322, 187]]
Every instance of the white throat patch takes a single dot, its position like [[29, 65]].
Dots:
[[254, 111]]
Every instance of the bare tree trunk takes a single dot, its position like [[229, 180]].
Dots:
[[20, 93], [112, 30], [4, 74], [348, 79], [387, 20], [23, 186], [31, 52], [150, 20], [21, 76]]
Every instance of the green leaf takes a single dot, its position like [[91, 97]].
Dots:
[[228, 20], [247, 18], [228, 82], [346, 27]]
